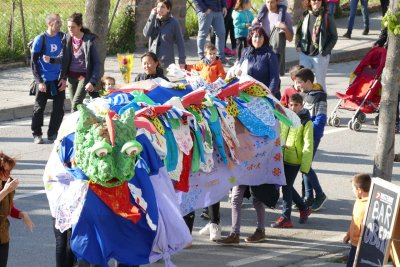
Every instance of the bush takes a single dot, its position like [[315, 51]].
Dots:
[[120, 38]]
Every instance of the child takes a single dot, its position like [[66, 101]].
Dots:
[[315, 101], [297, 149], [7, 191], [210, 67], [151, 68], [242, 18], [290, 90], [361, 184], [108, 84]]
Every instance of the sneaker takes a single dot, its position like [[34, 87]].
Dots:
[[205, 230], [295, 207], [205, 216], [231, 240], [258, 236], [215, 231], [309, 201], [52, 137], [366, 31], [347, 35], [37, 139], [304, 214], [224, 60], [229, 52], [318, 202], [282, 222]]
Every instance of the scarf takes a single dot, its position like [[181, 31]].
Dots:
[[317, 26]]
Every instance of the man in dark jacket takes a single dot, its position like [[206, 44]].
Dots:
[[46, 57], [211, 13]]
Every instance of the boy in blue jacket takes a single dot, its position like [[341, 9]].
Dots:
[[315, 101]]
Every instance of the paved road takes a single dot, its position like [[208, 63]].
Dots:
[[342, 154]]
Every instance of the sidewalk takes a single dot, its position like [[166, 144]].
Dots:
[[16, 103]]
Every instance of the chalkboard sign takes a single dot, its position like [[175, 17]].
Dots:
[[379, 221]]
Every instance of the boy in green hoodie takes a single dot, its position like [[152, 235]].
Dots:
[[297, 150]]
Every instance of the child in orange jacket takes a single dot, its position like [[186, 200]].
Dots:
[[210, 67], [361, 184]]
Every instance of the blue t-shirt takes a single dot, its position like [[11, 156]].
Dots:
[[49, 72]]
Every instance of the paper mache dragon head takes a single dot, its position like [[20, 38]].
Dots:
[[106, 150]]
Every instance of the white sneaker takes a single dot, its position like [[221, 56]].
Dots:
[[205, 230], [215, 231]]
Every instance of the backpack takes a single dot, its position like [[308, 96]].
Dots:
[[43, 36]]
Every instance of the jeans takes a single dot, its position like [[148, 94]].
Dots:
[[4, 248], [353, 10], [77, 92], [64, 255], [237, 200], [289, 194], [311, 179], [216, 19], [352, 255], [331, 6], [319, 64], [57, 113]]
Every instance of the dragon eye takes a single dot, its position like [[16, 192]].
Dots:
[[132, 148], [101, 149]]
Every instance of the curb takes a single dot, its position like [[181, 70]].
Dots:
[[24, 111]]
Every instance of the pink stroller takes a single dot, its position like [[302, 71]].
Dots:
[[364, 92]]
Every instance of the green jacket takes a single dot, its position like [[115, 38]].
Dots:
[[298, 144], [327, 38]]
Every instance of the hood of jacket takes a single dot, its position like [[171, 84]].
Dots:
[[304, 116]]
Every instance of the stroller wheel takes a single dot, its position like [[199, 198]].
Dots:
[[329, 121], [362, 117], [335, 121], [356, 126], [376, 120], [350, 124]]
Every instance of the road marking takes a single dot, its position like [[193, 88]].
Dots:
[[35, 193], [304, 246], [335, 130]]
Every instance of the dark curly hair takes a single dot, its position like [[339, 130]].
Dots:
[[260, 31]]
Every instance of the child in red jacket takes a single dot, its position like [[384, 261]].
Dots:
[[210, 67]]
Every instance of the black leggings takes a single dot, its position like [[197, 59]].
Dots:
[[64, 255], [4, 254], [242, 42]]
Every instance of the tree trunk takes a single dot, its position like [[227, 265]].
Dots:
[[96, 19], [384, 154]]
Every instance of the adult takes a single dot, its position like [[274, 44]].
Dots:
[[316, 36], [365, 15], [81, 62], [47, 51], [261, 60], [163, 31], [211, 13], [277, 31]]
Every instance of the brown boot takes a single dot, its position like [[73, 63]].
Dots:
[[230, 240], [258, 236]]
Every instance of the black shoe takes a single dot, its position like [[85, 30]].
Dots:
[[309, 201], [347, 35], [37, 139], [366, 31], [52, 137], [319, 202]]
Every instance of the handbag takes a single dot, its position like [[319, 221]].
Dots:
[[266, 193], [32, 88]]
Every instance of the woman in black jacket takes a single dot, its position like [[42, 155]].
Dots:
[[81, 63]]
